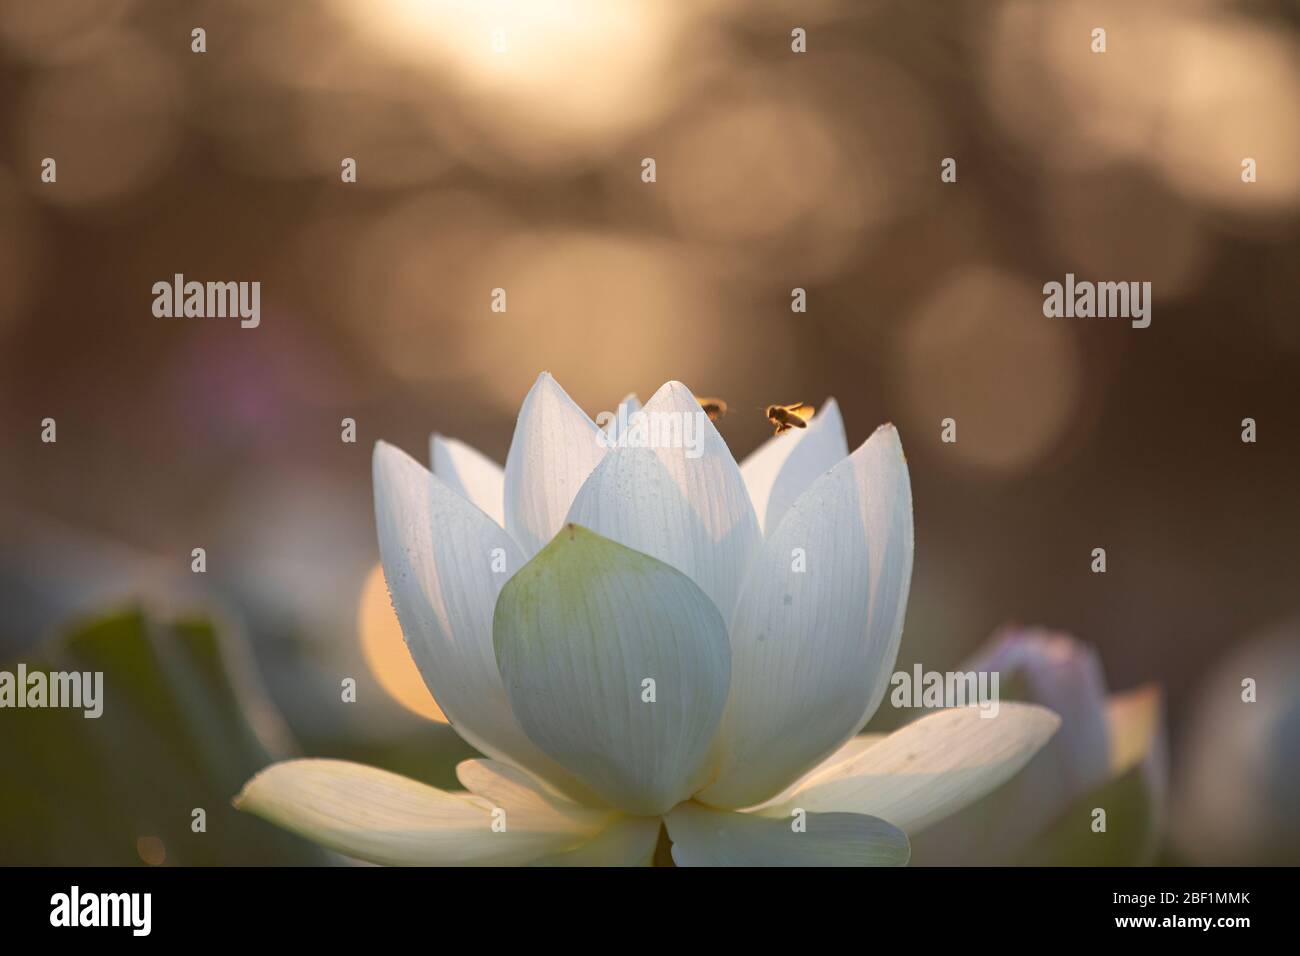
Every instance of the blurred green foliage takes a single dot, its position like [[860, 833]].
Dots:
[[183, 727], [1130, 834]]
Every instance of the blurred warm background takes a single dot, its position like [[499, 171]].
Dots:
[[499, 144]]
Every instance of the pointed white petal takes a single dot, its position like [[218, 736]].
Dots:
[[679, 499], [554, 449], [763, 464], [440, 554], [628, 841], [626, 409], [817, 626], [705, 837], [578, 632], [470, 474], [379, 816], [784, 468], [932, 767]]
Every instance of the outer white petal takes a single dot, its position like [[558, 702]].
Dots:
[[626, 409], [471, 474], [686, 506], [554, 449], [628, 841], [930, 768], [849, 750], [786, 465], [1021, 819], [1065, 676], [504, 785], [379, 816], [812, 649], [578, 631], [438, 552], [705, 837]]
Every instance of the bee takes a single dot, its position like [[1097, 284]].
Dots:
[[715, 408], [785, 417]]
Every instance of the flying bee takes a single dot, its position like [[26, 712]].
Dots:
[[715, 408], [785, 417]]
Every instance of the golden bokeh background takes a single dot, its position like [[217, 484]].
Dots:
[[500, 144]]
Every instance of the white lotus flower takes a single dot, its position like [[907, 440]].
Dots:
[[630, 638]]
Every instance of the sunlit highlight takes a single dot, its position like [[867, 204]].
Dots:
[[385, 651]]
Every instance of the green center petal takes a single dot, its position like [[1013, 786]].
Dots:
[[617, 666]]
